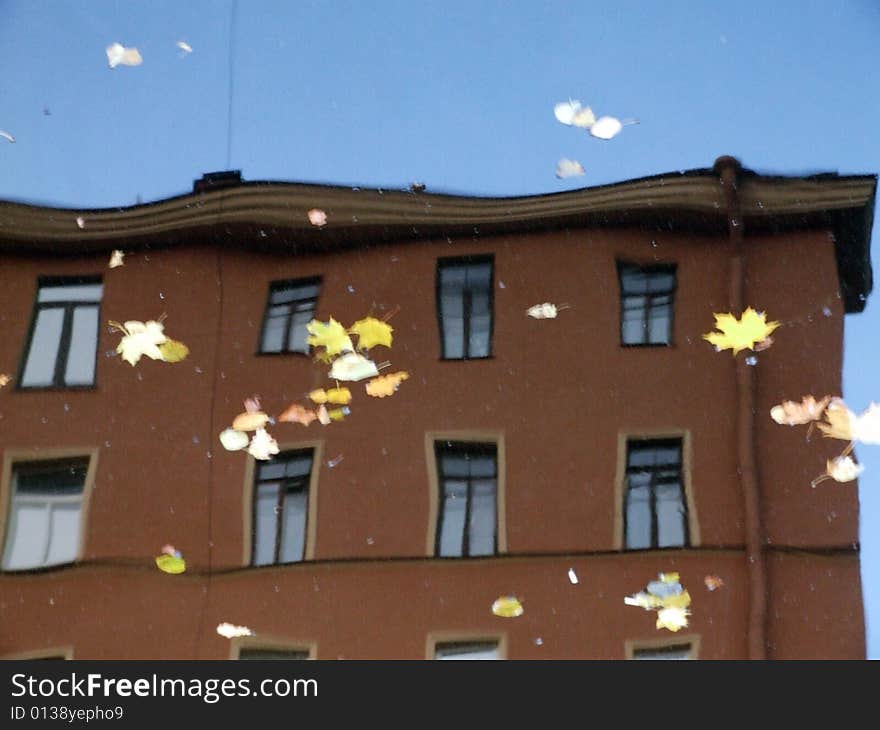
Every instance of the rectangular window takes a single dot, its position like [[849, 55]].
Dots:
[[467, 476], [291, 306], [654, 512], [466, 650], [45, 513], [646, 301], [464, 307], [261, 654], [63, 343], [672, 651], [281, 508]]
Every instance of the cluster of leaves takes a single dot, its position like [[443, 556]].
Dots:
[[668, 598], [148, 339], [261, 445], [752, 332], [572, 114], [839, 423], [337, 349]]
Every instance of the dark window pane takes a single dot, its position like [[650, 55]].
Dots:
[[482, 524], [290, 308], [80, 368], [70, 293], [453, 510], [265, 524], [261, 654], [646, 304], [464, 300], [677, 651], [281, 508], [43, 353], [638, 518], [293, 538], [466, 650], [44, 519], [670, 516], [655, 511], [467, 519]]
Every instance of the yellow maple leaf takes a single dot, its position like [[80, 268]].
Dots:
[[330, 335], [173, 564], [507, 607], [740, 334], [340, 396], [371, 332], [173, 350], [385, 384]]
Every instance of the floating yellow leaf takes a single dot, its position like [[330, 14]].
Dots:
[[318, 396], [337, 414], [173, 350], [507, 607], [371, 332], [740, 334], [4, 379], [792, 413], [673, 618], [386, 384], [173, 564], [339, 396], [330, 335]]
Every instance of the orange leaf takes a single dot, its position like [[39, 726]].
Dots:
[[298, 414], [386, 384]]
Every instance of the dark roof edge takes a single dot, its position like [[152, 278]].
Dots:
[[682, 200]]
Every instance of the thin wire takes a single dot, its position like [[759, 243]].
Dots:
[[232, 23]]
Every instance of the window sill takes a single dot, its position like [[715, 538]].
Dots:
[[52, 388], [282, 353], [466, 359], [646, 345]]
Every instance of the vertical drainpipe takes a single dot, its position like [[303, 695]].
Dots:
[[727, 169]]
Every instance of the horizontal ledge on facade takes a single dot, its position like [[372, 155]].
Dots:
[[850, 549]]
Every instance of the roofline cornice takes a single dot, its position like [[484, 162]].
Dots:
[[273, 216]]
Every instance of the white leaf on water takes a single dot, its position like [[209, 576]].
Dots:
[[117, 55], [568, 168]]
